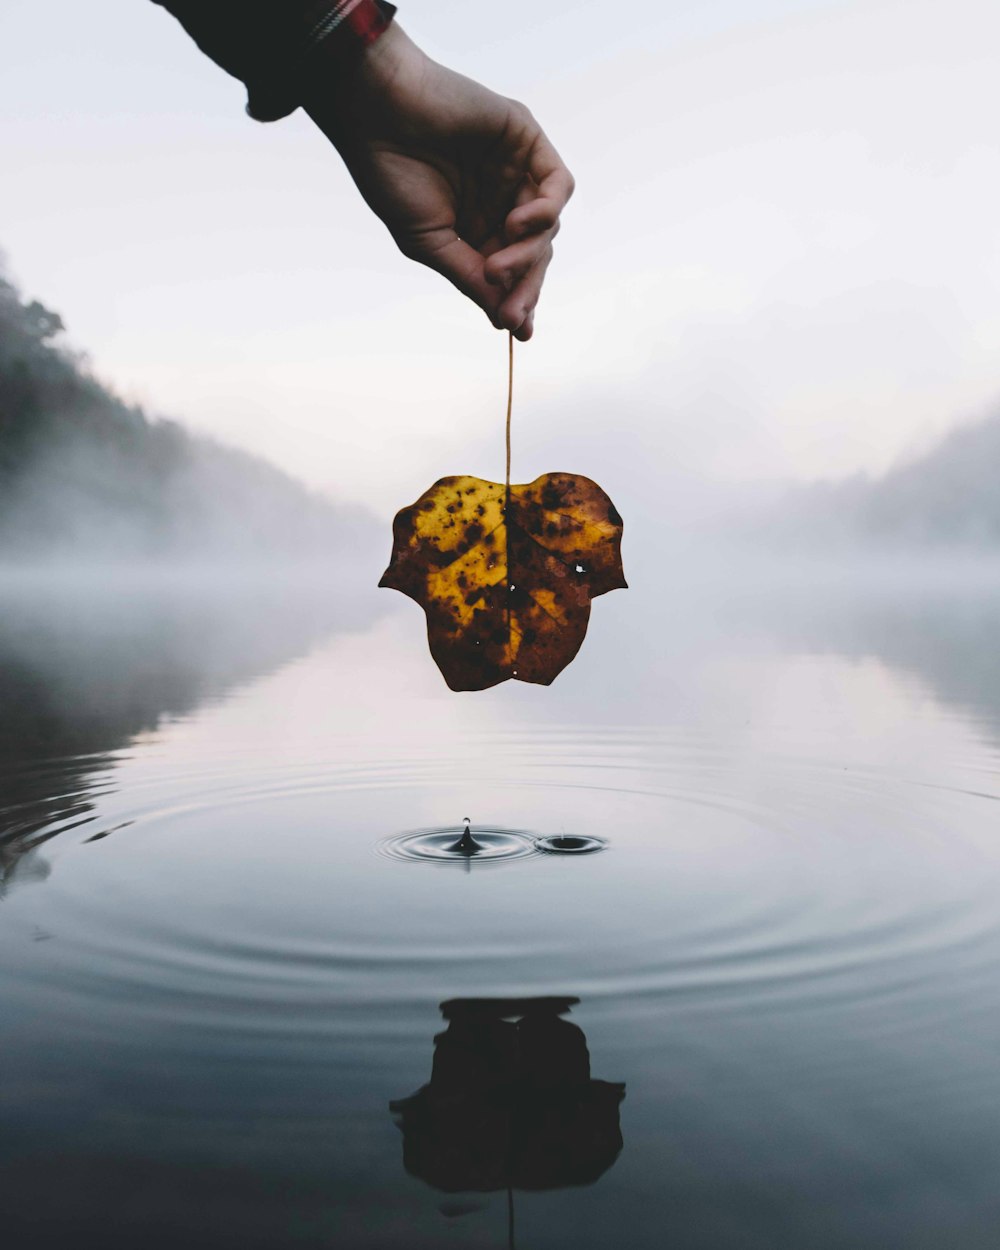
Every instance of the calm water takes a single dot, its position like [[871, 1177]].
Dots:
[[766, 1016]]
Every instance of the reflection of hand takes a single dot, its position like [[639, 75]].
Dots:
[[510, 1104], [464, 179]]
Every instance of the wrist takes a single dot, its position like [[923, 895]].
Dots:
[[341, 83], [383, 58]]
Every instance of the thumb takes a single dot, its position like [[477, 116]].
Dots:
[[465, 268]]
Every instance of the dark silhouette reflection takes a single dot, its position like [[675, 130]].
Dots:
[[510, 1103], [86, 668]]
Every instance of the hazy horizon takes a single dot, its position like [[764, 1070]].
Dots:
[[781, 261]]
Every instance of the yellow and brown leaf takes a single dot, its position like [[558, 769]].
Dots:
[[506, 587]]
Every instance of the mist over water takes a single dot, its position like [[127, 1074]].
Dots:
[[762, 1012], [233, 914], [222, 1003], [88, 480], [92, 659], [235, 1011]]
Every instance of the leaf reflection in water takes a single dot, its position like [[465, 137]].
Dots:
[[511, 1103]]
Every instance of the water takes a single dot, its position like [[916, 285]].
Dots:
[[462, 846], [236, 1014]]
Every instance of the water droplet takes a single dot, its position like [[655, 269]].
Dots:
[[466, 844], [453, 845]]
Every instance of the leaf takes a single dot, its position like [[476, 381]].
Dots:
[[506, 596]]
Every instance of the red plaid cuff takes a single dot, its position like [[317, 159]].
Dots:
[[269, 43], [342, 28], [359, 22]]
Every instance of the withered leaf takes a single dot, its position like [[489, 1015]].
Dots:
[[506, 596]]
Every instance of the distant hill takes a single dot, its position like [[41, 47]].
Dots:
[[83, 474], [949, 497]]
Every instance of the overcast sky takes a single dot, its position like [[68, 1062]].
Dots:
[[783, 257]]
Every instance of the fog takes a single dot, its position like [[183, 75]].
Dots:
[[771, 335], [86, 477], [780, 262], [779, 267], [89, 663], [88, 481], [941, 502]]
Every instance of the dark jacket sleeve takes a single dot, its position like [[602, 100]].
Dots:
[[268, 43]]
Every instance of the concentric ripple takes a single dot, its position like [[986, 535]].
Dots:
[[453, 844], [570, 844]]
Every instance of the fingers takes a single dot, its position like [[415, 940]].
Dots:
[[530, 227], [463, 266], [508, 265], [509, 307], [540, 212], [549, 171], [533, 223], [550, 187], [535, 217], [516, 312], [504, 272]]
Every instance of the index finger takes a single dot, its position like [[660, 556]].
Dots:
[[549, 171], [553, 187]]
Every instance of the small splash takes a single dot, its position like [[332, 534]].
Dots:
[[454, 844], [570, 844], [466, 844]]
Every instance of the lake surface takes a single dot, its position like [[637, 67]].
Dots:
[[765, 1016]]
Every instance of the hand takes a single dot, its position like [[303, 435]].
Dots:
[[465, 179]]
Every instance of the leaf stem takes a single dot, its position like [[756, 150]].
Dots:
[[510, 400], [506, 493]]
